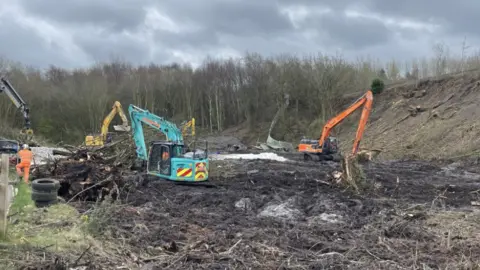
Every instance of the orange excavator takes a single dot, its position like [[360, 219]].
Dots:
[[326, 148]]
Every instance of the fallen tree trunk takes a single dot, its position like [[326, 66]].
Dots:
[[61, 153]]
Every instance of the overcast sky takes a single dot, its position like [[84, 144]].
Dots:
[[76, 33]]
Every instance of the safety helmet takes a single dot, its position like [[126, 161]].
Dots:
[[25, 146]]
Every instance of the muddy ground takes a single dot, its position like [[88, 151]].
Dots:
[[290, 215]]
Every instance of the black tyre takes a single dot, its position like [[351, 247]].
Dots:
[[45, 185], [44, 196], [307, 157], [45, 204]]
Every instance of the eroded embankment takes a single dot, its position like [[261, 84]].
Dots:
[[434, 118]]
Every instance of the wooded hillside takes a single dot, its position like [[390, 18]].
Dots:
[[66, 105]]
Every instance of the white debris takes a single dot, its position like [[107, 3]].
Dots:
[[270, 156], [284, 210], [42, 154], [325, 217], [244, 204], [331, 218]]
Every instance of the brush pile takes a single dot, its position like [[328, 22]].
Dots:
[[88, 173]]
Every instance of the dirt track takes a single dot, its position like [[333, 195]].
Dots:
[[272, 215]]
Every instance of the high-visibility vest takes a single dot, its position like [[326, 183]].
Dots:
[[25, 156]]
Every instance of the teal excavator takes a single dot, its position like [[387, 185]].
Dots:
[[167, 159]]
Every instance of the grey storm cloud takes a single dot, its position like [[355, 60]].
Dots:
[[350, 33], [245, 18], [105, 46], [116, 15], [77, 33], [457, 17], [27, 46]]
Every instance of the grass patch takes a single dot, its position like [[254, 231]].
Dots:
[[58, 227], [455, 224], [98, 222], [22, 200], [59, 231], [56, 231]]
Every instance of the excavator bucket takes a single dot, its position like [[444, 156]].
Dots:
[[121, 128]]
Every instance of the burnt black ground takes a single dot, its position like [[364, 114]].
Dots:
[[320, 225]]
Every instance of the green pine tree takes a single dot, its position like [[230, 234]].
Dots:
[[377, 86]]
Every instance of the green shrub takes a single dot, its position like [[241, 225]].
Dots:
[[377, 86]]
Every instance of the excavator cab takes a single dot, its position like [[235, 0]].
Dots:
[[331, 145], [311, 149], [170, 161]]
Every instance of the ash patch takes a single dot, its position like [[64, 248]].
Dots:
[[285, 211], [244, 204]]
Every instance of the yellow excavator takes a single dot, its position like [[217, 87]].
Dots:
[[104, 137], [190, 124]]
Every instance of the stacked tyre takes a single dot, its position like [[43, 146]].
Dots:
[[44, 192]]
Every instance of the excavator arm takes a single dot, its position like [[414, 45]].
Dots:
[[327, 145], [190, 124], [101, 139], [117, 108], [139, 116], [6, 86], [365, 100]]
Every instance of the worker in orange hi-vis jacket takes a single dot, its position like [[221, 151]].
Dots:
[[25, 161]]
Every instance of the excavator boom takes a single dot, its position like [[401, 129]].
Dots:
[[365, 100], [6, 86], [117, 108], [367, 108], [139, 116], [99, 140], [327, 144], [190, 124]]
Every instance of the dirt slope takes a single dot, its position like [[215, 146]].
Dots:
[[435, 118]]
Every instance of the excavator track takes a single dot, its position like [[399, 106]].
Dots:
[[204, 184]]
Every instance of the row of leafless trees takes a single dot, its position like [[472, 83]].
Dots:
[[65, 105]]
